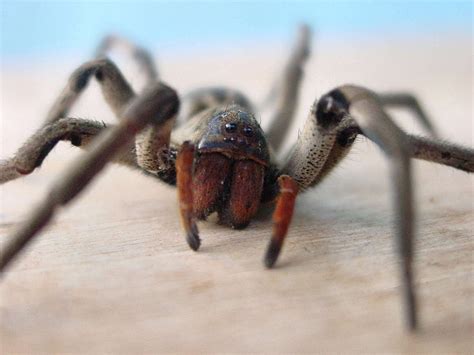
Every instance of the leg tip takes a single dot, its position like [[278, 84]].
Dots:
[[193, 240], [413, 327], [412, 322], [271, 255]]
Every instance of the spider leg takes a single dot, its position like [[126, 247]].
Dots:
[[442, 152], [284, 95], [402, 99], [326, 138], [140, 54], [320, 146], [366, 109], [202, 99], [78, 131], [151, 145], [116, 90], [156, 105], [184, 183], [117, 93], [285, 204]]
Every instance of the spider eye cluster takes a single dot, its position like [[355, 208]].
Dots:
[[232, 127]]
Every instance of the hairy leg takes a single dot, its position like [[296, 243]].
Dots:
[[284, 95], [156, 105], [78, 131], [143, 58], [320, 146]]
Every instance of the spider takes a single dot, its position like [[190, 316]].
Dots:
[[215, 152]]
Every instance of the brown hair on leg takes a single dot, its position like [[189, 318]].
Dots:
[[282, 215], [184, 183]]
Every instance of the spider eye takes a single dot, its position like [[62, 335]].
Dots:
[[231, 127], [248, 131]]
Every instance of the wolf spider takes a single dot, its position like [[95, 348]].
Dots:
[[215, 152]]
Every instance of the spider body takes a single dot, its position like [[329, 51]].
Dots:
[[211, 147]]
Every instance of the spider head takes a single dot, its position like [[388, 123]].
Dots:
[[235, 133]]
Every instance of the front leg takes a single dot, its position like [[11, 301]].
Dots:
[[328, 134], [155, 106], [327, 137], [78, 131]]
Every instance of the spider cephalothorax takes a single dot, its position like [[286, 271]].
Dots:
[[218, 156]]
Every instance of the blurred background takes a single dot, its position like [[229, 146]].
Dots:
[[52, 28], [244, 44]]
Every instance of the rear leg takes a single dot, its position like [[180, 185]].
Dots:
[[142, 56], [116, 90], [283, 97], [204, 98]]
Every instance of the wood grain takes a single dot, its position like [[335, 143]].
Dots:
[[113, 273]]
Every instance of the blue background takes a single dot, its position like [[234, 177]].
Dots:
[[46, 27]]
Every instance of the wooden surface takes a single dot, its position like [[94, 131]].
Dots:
[[113, 273]]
